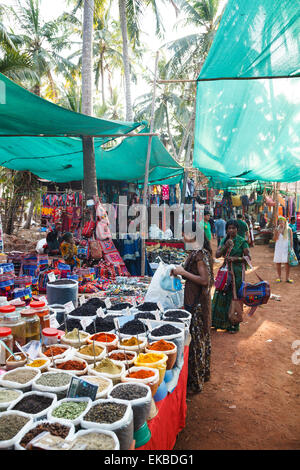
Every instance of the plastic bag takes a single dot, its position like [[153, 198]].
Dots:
[[5, 405], [7, 383], [42, 414], [75, 421], [18, 446], [9, 444], [105, 392], [73, 371], [140, 407], [87, 432], [156, 293], [60, 391], [123, 427], [178, 339], [151, 381], [116, 378], [160, 364]]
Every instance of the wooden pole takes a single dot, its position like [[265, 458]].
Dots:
[[145, 193]]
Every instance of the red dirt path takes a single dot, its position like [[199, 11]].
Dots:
[[250, 374]]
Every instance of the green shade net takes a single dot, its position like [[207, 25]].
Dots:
[[24, 117], [249, 129]]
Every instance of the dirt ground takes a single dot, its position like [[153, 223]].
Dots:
[[252, 400]]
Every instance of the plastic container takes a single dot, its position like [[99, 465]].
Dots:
[[42, 312], [186, 316], [109, 345], [151, 381], [62, 291], [7, 338], [4, 309], [91, 359], [17, 324], [11, 363], [123, 427], [6, 382], [142, 436], [18, 446], [19, 305], [160, 364], [171, 354], [58, 311], [85, 432], [9, 444], [42, 414], [161, 393], [116, 378], [75, 421], [178, 339], [49, 336], [127, 363], [32, 325], [140, 406], [5, 405], [92, 379]]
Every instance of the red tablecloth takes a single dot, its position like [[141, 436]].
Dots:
[[170, 419], [177, 245]]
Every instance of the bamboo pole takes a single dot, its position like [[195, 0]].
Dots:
[[145, 193]]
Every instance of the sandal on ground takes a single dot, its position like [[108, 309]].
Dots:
[[278, 280], [290, 281]]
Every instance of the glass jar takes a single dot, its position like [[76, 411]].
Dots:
[[50, 336], [33, 326], [7, 338], [4, 309], [42, 312], [17, 324]]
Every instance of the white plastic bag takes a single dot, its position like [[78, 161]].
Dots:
[[60, 391], [5, 405], [123, 427], [116, 378], [75, 421], [94, 430], [9, 444], [155, 293], [105, 392], [7, 383], [42, 414], [18, 446]]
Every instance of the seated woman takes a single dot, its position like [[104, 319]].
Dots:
[[52, 246], [69, 250]]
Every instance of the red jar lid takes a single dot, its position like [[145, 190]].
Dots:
[[37, 304], [29, 312], [18, 303], [7, 309], [49, 332], [5, 332]]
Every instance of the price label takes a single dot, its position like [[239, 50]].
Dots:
[[100, 312], [81, 388], [160, 306], [107, 303], [157, 316], [54, 323], [117, 324], [69, 306], [149, 325], [82, 300], [85, 322], [51, 277]]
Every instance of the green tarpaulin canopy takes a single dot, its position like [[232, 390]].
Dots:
[[24, 115], [250, 129]]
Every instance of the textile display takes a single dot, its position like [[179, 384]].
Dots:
[[170, 420]]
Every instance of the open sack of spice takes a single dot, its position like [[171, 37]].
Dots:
[[63, 431], [111, 415], [12, 423], [144, 375], [8, 396], [140, 398], [69, 410], [55, 381], [20, 379], [35, 404]]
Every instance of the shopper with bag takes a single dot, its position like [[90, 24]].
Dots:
[[284, 253], [198, 272], [233, 248]]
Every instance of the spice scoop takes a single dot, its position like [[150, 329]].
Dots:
[[16, 357]]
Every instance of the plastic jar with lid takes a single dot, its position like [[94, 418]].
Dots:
[[50, 336], [4, 309], [42, 312], [19, 305], [7, 338], [17, 324], [33, 326]]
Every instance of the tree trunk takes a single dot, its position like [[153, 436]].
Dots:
[[102, 81], [89, 166], [30, 215], [12, 213], [123, 23]]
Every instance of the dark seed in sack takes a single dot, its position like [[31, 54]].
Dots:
[[121, 306], [55, 429], [71, 324], [10, 425], [84, 310], [102, 325], [146, 306], [106, 413], [176, 314], [165, 330], [110, 317], [96, 303], [61, 282], [146, 315], [133, 327], [129, 392], [33, 404], [178, 320]]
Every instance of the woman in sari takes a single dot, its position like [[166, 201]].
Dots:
[[233, 248], [198, 272]]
